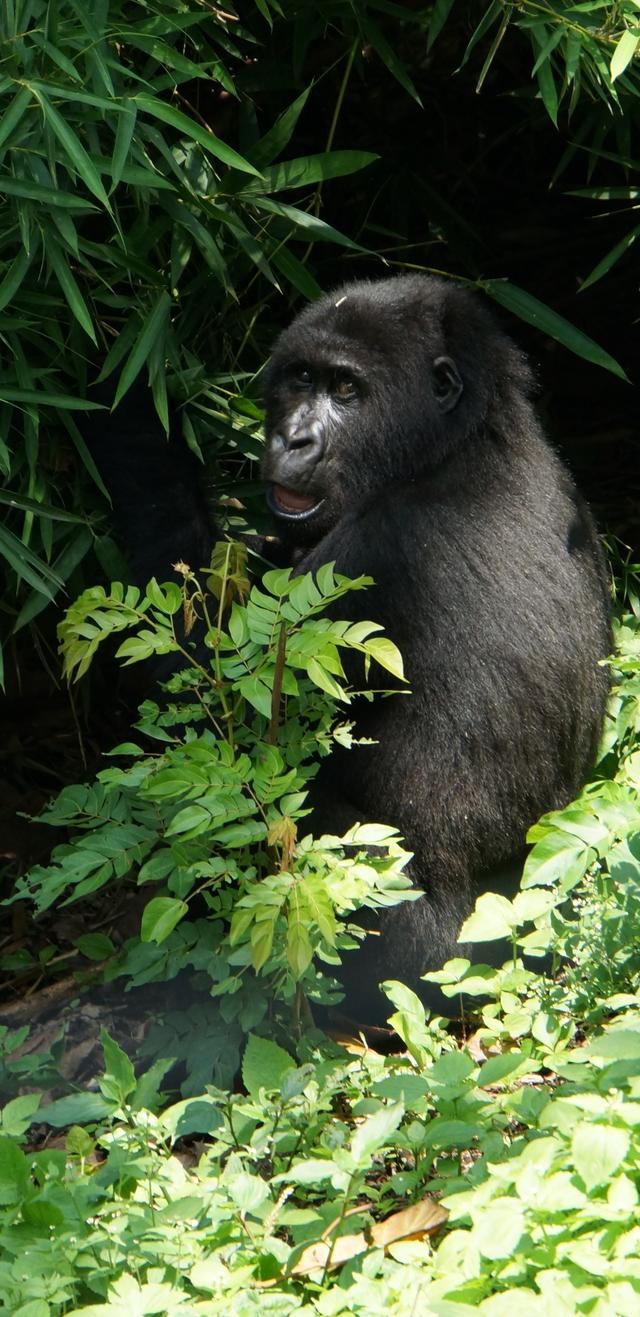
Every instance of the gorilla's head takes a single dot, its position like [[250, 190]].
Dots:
[[376, 383]]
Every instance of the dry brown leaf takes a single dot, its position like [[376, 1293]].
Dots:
[[411, 1223]]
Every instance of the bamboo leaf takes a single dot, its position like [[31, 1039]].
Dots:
[[19, 501], [296, 273], [50, 196], [311, 169], [489, 17], [544, 72], [73, 553], [611, 258], [38, 398], [152, 327], [57, 260], [193, 131], [84, 97], [73, 149], [536, 313], [439, 16], [27, 565], [281, 133], [13, 114], [624, 52], [310, 224], [16, 273], [389, 58], [124, 133]]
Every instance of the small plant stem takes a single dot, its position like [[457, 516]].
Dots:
[[276, 694], [317, 201], [338, 1223]]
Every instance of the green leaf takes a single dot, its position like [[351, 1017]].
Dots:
[[374, 1132], [95, 946], [313, 227], [279, 136], [14, 1172], [624, 52], [41, 509], [509, 1066], [48, 196], [311, 1171], [73, 149], [257, 693], [610, 259], [27, 565], [388, 56], [386, 654], [72, 294], [198, 1115], [152, 329], [124, 133], [38, 398], [536, 313], [15, 274], [119, 1078], [78, 1109], [264, 1065], [310, 169], [492, 918], [299, 949], [598, 1151], [193, 131], [160, 917], [437, 20], [558, 857], [18, 1114], [544, 71], [498, 1229], [249, 1192], [324, 680], [12, 115]]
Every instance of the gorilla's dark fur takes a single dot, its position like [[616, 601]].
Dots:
[[401, 442]]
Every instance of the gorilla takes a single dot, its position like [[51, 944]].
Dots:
[[401, 442]]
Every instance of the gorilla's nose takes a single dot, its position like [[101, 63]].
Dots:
[[303, 437]]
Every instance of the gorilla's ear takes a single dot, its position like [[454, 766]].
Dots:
[[447, 383]]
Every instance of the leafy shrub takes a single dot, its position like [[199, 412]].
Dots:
[[209, 818]]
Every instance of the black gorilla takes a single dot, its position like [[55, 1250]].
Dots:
[[401, 442]]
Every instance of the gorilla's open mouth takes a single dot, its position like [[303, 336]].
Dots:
[[291, 503]]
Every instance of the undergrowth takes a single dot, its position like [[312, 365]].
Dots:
[[497, 1173]]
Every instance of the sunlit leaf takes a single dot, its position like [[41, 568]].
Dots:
[[624, 52], [192, 130]]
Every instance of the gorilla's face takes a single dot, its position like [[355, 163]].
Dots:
[[317, 406], [356, 394]]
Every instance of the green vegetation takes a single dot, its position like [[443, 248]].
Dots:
[[318, 1189], [172, 176], [135, 238]]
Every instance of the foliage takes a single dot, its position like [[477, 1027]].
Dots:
[[150, 224], [127, 218], [209, 811], [501, 1172], [498, 1174], [583, 49], [534, 1152]]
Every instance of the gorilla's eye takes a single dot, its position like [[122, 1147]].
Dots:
[[300, 377], [345, 388]]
